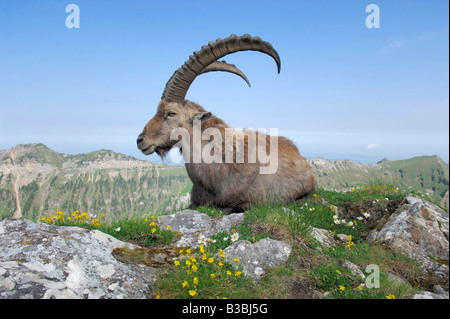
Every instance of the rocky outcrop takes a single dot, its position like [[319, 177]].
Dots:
[[255, 259], [420, 231], [196, 227], [323, 236], [46, 261]]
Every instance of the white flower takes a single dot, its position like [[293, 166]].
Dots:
[[350, 224], [225, 238], [202, 239], [234, 237], [117, 229], [367, 215], [359, 218]]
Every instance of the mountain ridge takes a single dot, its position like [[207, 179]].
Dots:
[[36, 180], [34, 177]]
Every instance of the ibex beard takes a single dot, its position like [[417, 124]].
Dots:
[[230, 169]]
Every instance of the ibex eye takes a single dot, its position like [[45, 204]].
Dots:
[[171, 114]]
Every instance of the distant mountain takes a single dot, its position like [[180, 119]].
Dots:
[[37, 181], [426, 174]]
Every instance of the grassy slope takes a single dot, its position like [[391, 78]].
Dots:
[[428, 175], [311, 269]]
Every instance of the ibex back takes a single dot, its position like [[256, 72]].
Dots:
[[229, 185]]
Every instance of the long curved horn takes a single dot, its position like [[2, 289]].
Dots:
[[224, 66], [176, 88]]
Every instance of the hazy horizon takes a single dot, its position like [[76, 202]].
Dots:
[[156, 159]]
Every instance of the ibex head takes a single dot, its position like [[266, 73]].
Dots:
[[176, 112]]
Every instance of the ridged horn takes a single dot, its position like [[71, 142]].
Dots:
[[226, 67], [178, 85]]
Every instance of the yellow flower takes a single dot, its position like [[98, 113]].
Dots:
[[202, 250], [213, 276], [188, 251], [390, 296], [342, 288], [211, 260], [103, 215], [360, 287], [237, 273], [169, 227], [315, 195], [43, 218], [338, 272], [204, 257], [176, 262], [220, 264], [194, 268], [222, 255], [157, 297], [181, 251], [146, 220], [192, 293], [188, 263], [236, 260], [195, 280], [185, 284], [152, 224], [153, 230], [228, 273]]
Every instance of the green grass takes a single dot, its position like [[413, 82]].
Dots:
[[310, 269]]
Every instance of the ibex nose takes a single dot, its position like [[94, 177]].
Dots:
[[140, 139]]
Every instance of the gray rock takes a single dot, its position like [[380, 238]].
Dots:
[[353, 269], [420, 231], [198, 227], [428, 295], [255, 259], [343, 238], [396, 279], [46, 261], [187, 221], [323, 236]]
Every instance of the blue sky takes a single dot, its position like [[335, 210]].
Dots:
[[345, 91]]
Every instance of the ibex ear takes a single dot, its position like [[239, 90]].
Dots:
[[201, 116]]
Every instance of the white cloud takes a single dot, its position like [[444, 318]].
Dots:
[[371, 146], [390, 47]]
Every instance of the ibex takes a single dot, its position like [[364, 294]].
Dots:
[[230, 186]]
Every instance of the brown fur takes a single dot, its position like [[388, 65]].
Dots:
[[234, 186]]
